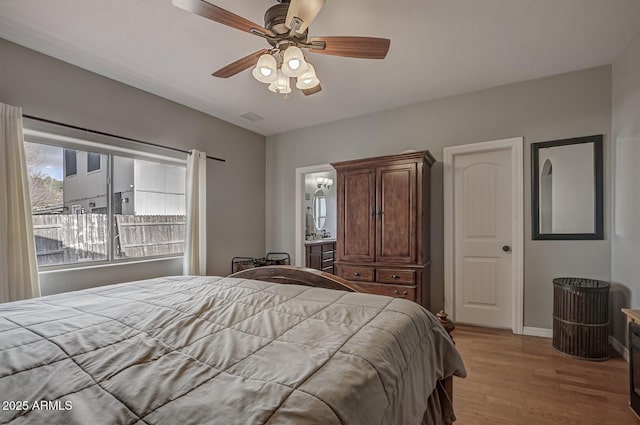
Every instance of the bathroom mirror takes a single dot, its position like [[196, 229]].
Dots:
[[319, 203], [566, 193]]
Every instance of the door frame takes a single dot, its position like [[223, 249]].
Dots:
[[300, 221], [515, 145]]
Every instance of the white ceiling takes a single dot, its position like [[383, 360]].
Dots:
[[438, 48]]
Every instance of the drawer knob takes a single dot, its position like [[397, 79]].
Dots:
[[395, 276], [403, 294], [356, 274]]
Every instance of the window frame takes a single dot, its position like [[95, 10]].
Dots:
[[65, 142], [99, 169], [64, 162]]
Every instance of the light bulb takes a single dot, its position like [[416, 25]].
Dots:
[[293, 63], [281, 84], [265, 70], [308, 80]]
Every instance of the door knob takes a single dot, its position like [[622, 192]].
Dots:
[[506, 248], [356, 274]]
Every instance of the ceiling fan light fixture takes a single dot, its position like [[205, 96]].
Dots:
[[266, 69], [286, 30], [308, 80], [281, 85], [293, 63]]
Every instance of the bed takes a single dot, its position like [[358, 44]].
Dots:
[[251, 348]]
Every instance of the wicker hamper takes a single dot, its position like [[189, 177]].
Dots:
[[581, 318]]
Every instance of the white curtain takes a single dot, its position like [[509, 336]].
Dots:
[[18, 264], [195, 244]]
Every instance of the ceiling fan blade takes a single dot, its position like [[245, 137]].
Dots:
[[305, 10], [218, 14], [309, 92], [353, 47], [239, 65]]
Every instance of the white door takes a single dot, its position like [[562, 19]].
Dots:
[[482, 216]]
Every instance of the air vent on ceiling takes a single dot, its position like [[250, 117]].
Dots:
[[251, 116]]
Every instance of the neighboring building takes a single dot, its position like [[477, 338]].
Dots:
[[139, 187]]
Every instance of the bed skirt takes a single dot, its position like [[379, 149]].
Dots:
[[439, 408]]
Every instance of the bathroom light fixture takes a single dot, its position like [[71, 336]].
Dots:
[[324, 182]]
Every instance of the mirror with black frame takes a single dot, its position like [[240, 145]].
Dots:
[[567, 185]]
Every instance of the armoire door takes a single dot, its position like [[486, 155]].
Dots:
[[356, 224], [396, 213]]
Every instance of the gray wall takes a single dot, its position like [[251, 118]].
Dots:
[[625, 244], [52, 89], [557, 107]]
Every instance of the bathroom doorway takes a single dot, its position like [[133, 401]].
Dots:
[[315, 208]]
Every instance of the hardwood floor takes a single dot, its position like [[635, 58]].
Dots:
[[513, 379]]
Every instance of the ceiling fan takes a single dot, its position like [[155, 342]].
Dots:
[[286, 29]]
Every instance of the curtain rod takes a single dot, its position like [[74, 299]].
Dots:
[[31, 117]]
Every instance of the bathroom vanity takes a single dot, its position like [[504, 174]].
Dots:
[[320, 254]]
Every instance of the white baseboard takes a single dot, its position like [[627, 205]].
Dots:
[[542, 332], [548, 333], [619, 347]]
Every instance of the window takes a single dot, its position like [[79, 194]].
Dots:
[[84, 219], [70, 163], [93, 162], [149, 205]]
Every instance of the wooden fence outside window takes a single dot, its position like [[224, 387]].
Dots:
[[74, 238]]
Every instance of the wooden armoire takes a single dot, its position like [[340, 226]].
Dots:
[[383, 224]]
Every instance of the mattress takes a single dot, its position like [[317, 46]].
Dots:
[[213, 350]]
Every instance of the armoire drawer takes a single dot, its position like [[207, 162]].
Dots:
[[362, 274], [398, 291], [395, 276]]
